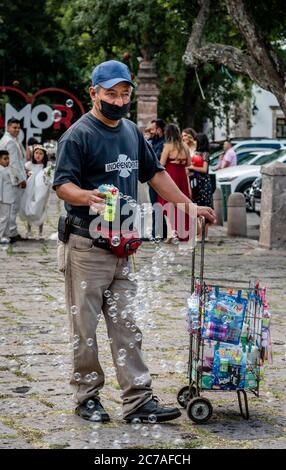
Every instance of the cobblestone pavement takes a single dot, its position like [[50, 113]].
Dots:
[[36, 407]]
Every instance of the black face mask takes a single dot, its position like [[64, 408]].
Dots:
[[112, 111]]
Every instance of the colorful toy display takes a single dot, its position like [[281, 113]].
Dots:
[[236, 337]]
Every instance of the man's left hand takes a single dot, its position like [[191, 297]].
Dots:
[[207, 212]]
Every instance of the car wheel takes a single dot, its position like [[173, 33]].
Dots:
[[245, 190]]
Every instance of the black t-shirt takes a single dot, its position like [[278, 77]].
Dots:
[[91, 153]]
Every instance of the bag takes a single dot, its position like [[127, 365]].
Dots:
[[121, 243], [64, 228]]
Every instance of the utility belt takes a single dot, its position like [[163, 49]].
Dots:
[[119, 243]]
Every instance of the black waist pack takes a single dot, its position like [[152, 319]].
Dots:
[[64, 225]]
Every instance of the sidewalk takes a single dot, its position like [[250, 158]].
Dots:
[[36, 407]]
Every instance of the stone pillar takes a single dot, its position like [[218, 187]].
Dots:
[[147, 93], [218, 206], [236, 216], [273, 206]]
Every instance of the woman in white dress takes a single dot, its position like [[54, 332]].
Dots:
[[36, 196]]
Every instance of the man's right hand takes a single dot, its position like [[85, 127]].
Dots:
[[96, 201], [22, 185]]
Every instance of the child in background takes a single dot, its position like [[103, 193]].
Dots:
[[35, 201], [6, 196]]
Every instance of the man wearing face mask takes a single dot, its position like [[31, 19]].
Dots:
[[103, 147]]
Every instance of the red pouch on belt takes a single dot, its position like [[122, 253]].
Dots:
[[122, 243]]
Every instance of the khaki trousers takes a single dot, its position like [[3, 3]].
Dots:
[[101, 270]]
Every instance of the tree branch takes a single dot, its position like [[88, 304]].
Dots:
[[261, 63], [263, 52], [233, 58]]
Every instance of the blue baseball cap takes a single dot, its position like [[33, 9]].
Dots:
[[109, 73]]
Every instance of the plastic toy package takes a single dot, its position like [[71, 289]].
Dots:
[[223, 317], [111, 193]]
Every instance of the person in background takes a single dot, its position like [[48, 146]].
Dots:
[[10, 142], [199, 176], [29, 150], [34, 203], [157, 142], [6, 196], [189, 138], [175, 158], [147, 134], [227, 158], [157, 130]]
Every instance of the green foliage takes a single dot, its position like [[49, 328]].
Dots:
[[57, 43]]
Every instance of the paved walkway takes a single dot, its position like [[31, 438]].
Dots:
[[36, 408]]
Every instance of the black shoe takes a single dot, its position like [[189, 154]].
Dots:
[[152, 407], [92, 410], [17, 238]]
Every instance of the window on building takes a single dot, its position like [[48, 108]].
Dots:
[[281, 127]]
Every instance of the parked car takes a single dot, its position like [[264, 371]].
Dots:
[[246, 146], [240, 178], [255, 195], [255, 191]]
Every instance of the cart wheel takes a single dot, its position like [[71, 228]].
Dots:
[[185, 394], [244, 412], [199, 410]]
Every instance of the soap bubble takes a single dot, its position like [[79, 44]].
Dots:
[[107, 293], [83, 285], [57, 115], [138, 337], [122, 352], [94, 375], [121, 361], [96, 417], [77, 376], [131, 345], [156, 431], [144, 431], [179, 268], [89, 342], [69, 103], [125, 271], [116, 296], [115, 241], [116, 444], [123, 314], [180, 367], [112, 311], [138, 381], [74, 310], [94, 436], [131, 277], [90, 404], [133, 328], [152, 419], [125, 438], [163, 365], [87, 378], [136, 424]]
